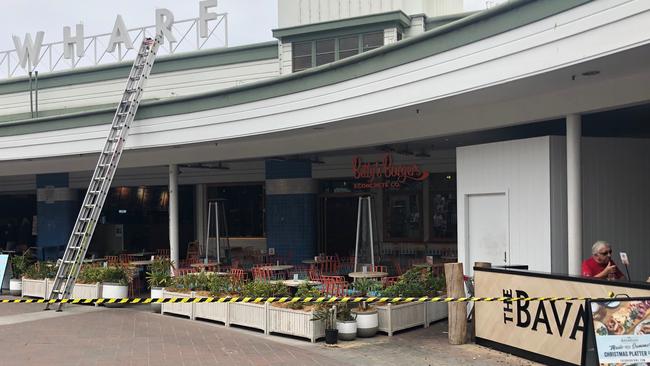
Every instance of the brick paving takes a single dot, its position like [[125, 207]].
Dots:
[[134, 336]]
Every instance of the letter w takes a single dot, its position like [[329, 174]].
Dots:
[[28, 49]]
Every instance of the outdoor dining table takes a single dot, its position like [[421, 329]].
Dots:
[[296, 283], [203, 265], [368, 274]]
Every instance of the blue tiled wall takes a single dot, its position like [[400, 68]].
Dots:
[[55, 220], [290, 225], [290, 218]]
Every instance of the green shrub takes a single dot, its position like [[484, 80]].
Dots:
[[264, 289], [364, 286], [20, 264], [159, 274], [416, 282], [90, 275], [41, 270], [307, 290], [119, 275]]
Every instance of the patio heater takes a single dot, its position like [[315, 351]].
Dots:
[[217, 207], [364, 219]]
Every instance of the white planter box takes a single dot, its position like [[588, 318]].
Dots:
[[403, 316], [249, 315], [35, 288], [87, 291], [294, 322], [185, 309], [218, 311], [15, 287], [436, 311]]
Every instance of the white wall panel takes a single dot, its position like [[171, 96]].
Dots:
[[616, 199], [160, 86], [301, 12], [522, 169]]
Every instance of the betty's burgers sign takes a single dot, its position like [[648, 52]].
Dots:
[[385, 173]]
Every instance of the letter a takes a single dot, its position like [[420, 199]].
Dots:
[[119, 35], [29, 50]]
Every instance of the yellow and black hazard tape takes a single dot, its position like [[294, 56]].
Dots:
[[316, 300]]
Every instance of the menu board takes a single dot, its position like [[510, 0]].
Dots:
[[622, 331]]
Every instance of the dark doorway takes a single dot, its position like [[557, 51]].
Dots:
[[339, 224]]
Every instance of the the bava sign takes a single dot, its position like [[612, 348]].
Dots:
[[385, 173], [29, 50]]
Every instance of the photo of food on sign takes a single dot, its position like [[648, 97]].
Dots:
[[621, 317]]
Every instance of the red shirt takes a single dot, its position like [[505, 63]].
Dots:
[[591, 268]]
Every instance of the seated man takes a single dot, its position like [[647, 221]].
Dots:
[[600, 264]]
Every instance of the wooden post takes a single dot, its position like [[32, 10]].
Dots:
[[481, 265], [457, 310]]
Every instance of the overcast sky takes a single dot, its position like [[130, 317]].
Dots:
[[249, 21]]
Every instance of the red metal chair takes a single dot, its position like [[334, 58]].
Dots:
[[387, 281], [184, 271], [378, 268], [237, 275]]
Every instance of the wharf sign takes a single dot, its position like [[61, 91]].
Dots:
[[385, 173], [28, 49]]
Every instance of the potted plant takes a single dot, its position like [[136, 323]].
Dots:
[[294, 318], [366, 315], [19, 264], [214, 286], [180, 287], [417, 282], [88, 284], [115, 283], [346, 323], [326, 313], [35, 279], [251, 314], [159, 277]]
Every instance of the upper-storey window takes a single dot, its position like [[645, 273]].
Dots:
[[318, 52]]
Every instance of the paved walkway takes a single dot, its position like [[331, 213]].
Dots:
[[86, 335]]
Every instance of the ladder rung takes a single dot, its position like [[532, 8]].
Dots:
[[95, 192], [90, 206], [80, 233], [99, 178]]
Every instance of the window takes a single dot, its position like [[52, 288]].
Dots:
[[403, 212], [348, 46], [372, 41], [319, 52], [443, 207], [301, 56], [324, 51], [244, 206]]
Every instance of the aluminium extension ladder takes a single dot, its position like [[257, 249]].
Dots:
[[100, 183]]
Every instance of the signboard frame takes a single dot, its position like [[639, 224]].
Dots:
[[554, 335]]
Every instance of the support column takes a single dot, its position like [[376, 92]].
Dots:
[[56, 208], [199, 213], [173, 214], [291, 209], [574, 192]]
